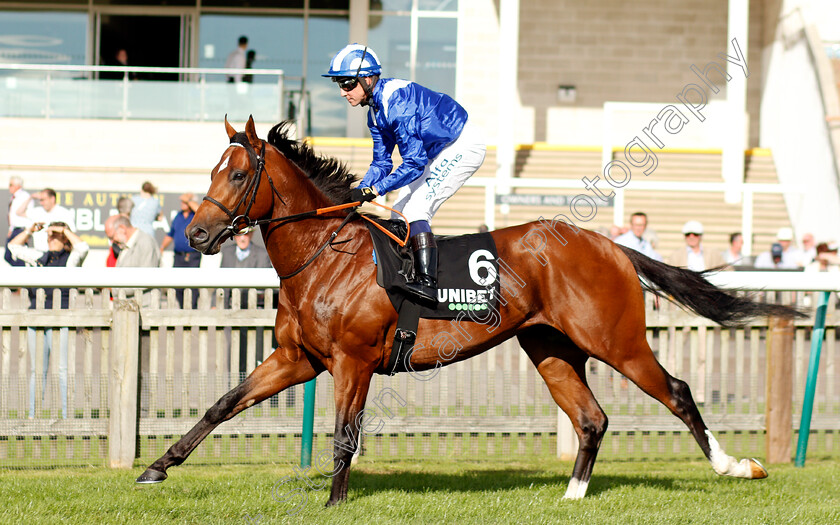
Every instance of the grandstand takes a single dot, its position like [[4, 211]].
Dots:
[[667, 210], [571, 64]]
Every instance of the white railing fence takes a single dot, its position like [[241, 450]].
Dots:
[[134, 355]]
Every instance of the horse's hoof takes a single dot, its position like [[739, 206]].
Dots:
[[333, 502], [151, 476], [758, 470]]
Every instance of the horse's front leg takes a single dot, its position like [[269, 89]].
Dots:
[[352, 382], [282, 369]]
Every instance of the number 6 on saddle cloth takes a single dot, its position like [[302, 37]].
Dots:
[[468, 285]]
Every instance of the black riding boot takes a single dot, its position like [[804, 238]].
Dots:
[[425, 251]]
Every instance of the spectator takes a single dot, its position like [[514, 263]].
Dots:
[[634, 238], [250, 57], [693, 256], [137, 248], [237, 59], [120, 59], [826, 259], [733, 255], [482, 228], [146, 209], [65, 248], [124, 207], [791, 256], [20, 203], [808, 251], [616, 231], [774, 259], [185, 255], [48, 212], [244, 254]]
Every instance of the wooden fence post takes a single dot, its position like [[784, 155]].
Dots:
[[779, 390], [567, 441], [122, 397]]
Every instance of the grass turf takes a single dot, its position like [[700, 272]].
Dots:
[[415, 492]]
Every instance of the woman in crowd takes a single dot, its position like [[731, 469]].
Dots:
[[146, 209], [65, 249]]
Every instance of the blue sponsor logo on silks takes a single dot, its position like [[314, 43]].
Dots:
[[439, 173]]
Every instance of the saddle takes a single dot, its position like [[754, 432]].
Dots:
[[468, 284]]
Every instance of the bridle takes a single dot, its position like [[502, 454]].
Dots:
[[250, 196], [258, 161]]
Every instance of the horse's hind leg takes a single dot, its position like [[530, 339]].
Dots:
[[562, 366], [282, 369], [637, 362]]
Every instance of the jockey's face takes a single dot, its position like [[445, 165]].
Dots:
[[357, 95]]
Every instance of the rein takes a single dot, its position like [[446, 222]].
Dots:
[[258, 160], [334, 234]]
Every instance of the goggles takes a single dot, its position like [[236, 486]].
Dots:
[[346, 83]]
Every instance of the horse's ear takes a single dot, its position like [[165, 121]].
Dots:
[[251, 133], [230, 131]]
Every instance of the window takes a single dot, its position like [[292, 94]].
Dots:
[[328, 114], [279, 43], [416, 40], [41, 37], [436, 44]]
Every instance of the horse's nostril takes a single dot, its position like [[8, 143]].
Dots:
[[198, 234]]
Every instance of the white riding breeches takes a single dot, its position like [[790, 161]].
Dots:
[[447, 172]]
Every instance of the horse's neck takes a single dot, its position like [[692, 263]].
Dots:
[[296, 241], [302, 191]]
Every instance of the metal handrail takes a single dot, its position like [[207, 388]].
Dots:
[[143, 69]]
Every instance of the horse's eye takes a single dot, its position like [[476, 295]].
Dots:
[[238, 175]]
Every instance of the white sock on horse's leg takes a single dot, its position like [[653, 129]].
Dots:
[[726, 465], [576, 490]]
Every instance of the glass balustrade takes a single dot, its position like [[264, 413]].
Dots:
[[202, 94]]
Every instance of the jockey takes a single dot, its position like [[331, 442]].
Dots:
[[440, 150]]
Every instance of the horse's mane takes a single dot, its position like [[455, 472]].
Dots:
[[329, 175]]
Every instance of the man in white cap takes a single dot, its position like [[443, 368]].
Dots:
[[693, 256], [782, 255], [791, 256]]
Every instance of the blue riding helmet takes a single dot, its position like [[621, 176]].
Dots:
[[354, 60]]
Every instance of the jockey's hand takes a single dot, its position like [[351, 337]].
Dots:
[[362, 195]]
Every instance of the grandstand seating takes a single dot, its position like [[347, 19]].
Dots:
[[667, 210]]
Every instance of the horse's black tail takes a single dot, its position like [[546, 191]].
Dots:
[[691, 290]]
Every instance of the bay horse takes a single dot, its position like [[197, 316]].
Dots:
[[578, 296]]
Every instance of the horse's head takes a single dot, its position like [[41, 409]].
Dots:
[[233, 201]]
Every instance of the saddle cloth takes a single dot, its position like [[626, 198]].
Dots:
[[468, 272]]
